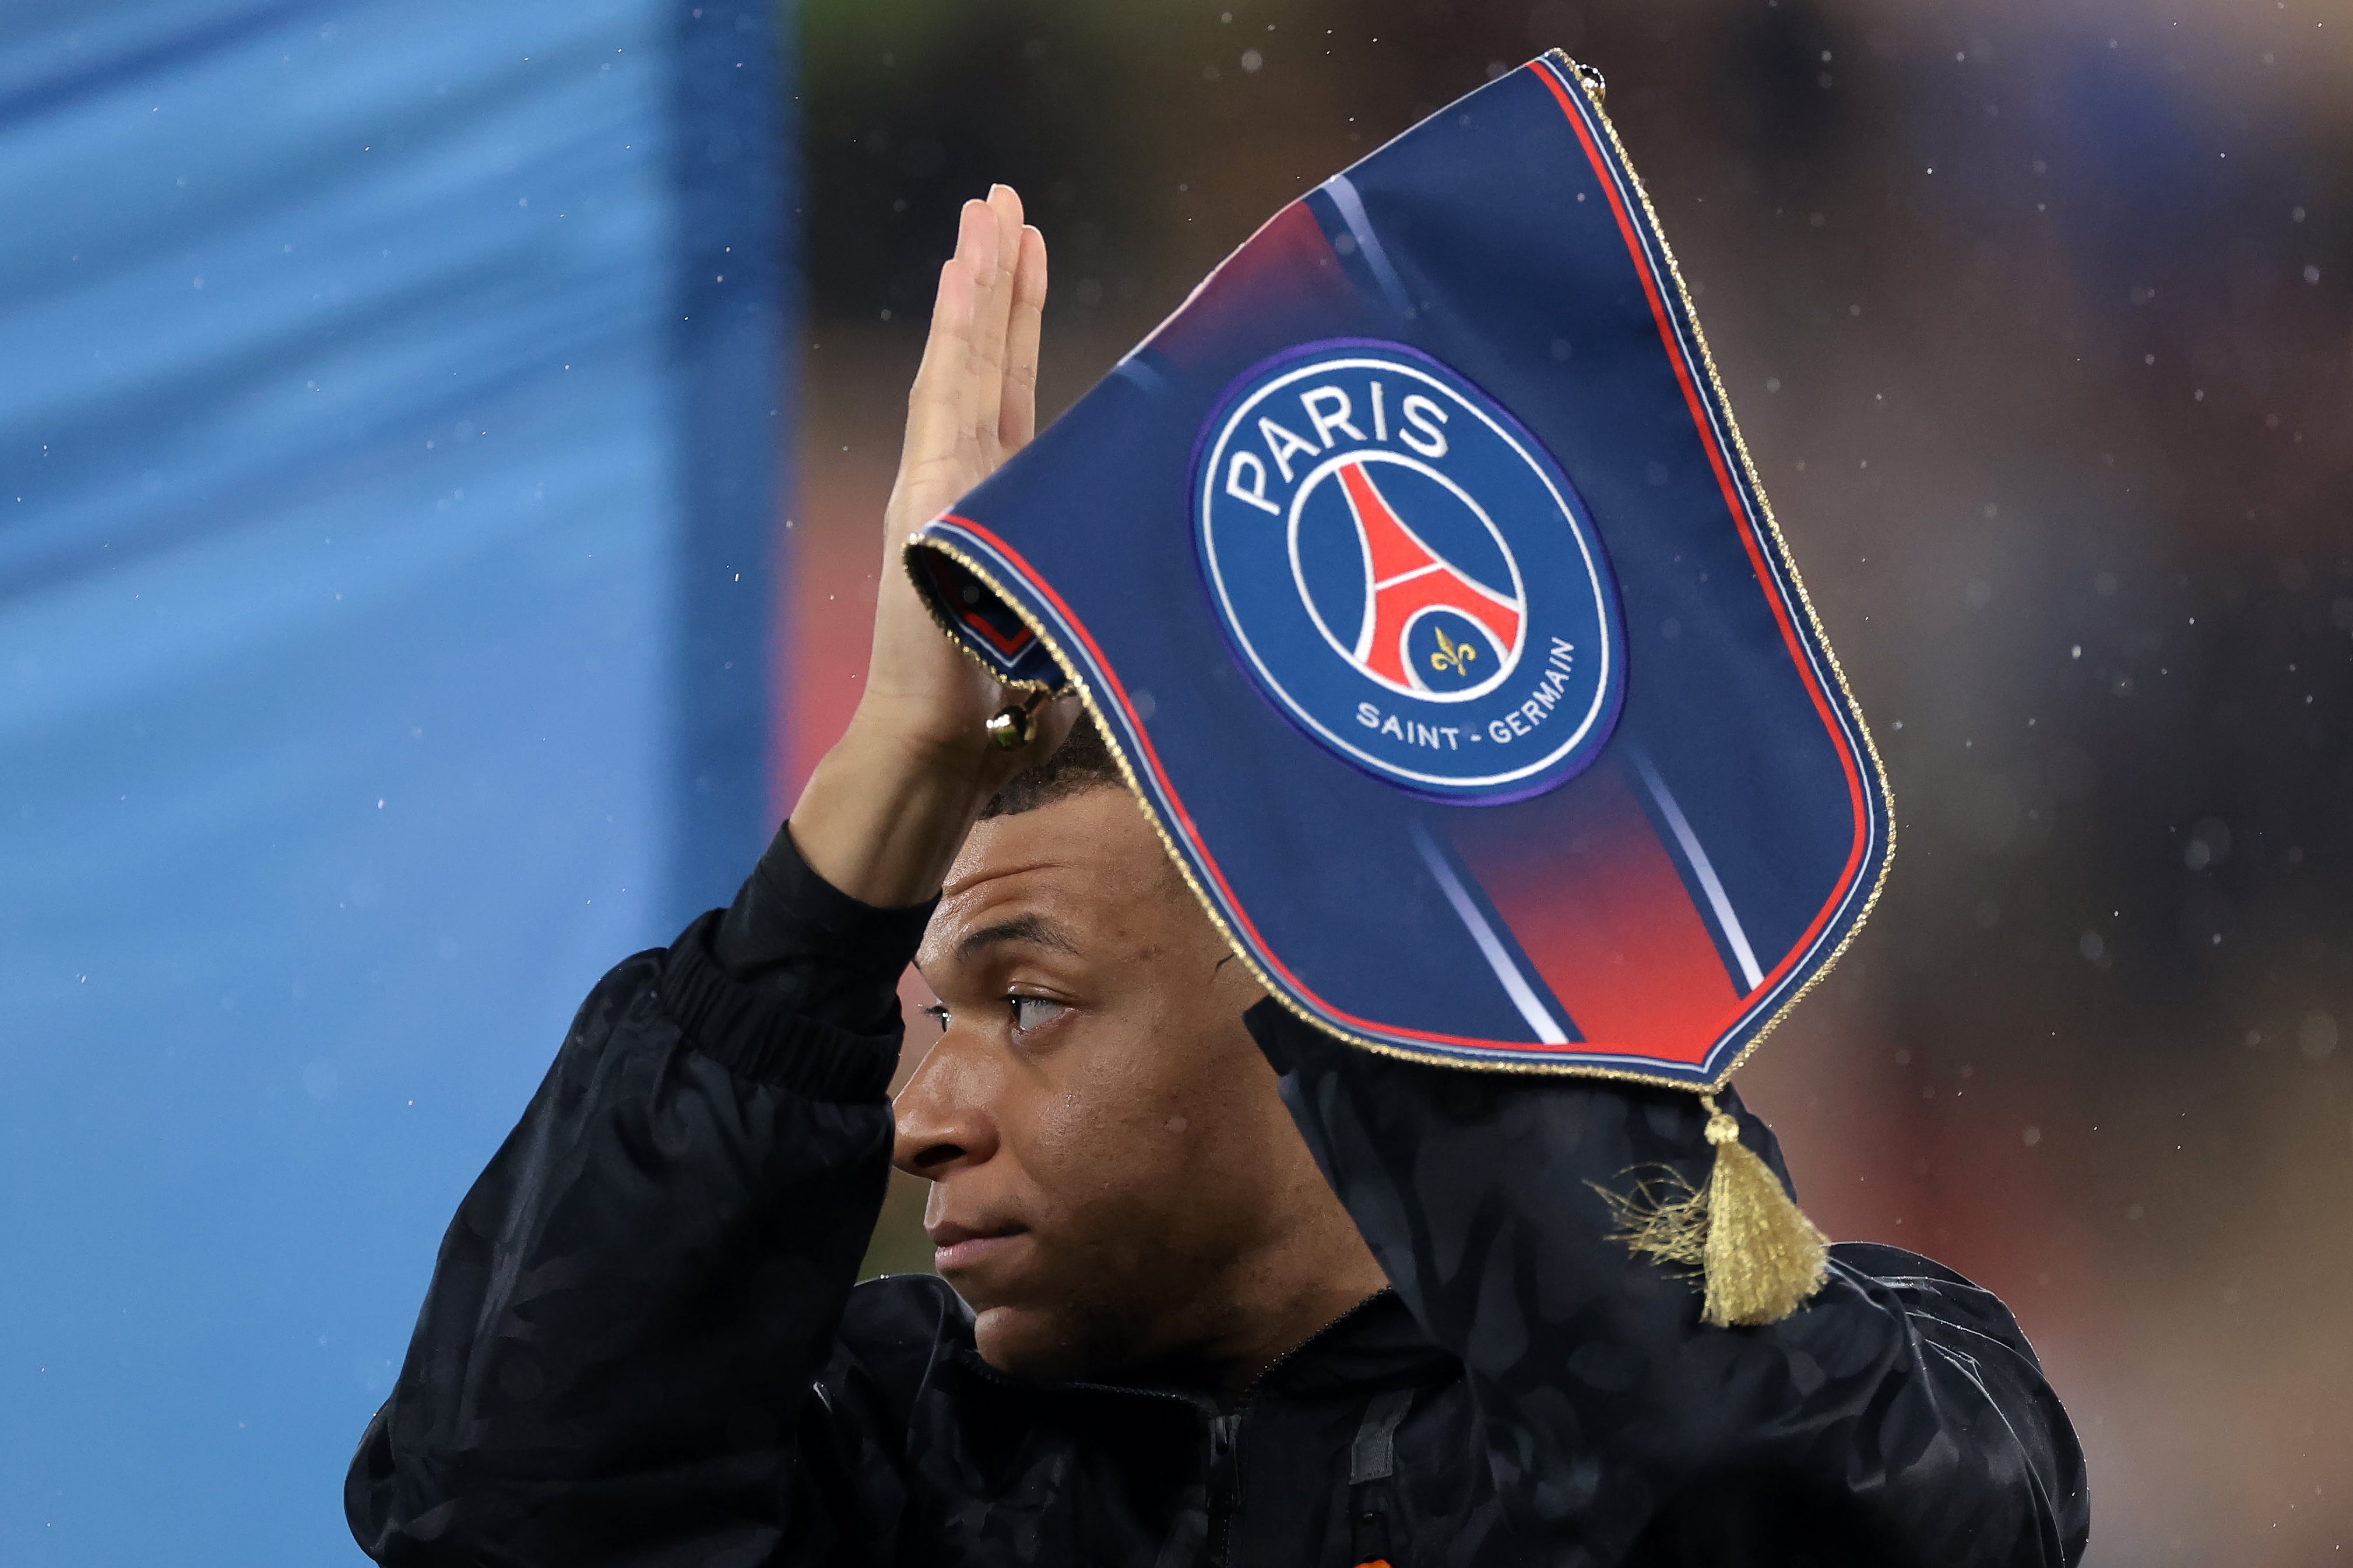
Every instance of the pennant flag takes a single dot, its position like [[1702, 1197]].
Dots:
[[1416, 574]]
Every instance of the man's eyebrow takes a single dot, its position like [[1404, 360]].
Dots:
[[1035, 929]]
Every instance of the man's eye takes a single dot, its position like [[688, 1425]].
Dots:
[[1028, 1012]]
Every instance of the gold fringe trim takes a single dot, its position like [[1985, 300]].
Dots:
[[1578, 70], [1589, 79], [1759, 1257]]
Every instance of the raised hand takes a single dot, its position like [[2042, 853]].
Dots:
[[887, 808]]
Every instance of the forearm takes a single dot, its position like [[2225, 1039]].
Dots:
[[883, 815], [803, 947]]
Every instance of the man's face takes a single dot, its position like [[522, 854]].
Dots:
[[1109, 1159]]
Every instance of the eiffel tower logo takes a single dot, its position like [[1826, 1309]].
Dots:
[[1408, 580]]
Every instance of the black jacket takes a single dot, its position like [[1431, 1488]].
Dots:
[[642, 1346]]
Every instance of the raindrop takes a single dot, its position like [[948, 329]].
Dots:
[[2210, 844]]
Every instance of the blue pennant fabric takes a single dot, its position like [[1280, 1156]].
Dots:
[[1417, 577]]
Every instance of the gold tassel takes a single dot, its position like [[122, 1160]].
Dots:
[[1761, 1257]]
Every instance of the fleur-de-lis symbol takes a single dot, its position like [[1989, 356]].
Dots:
[[1452, 654]]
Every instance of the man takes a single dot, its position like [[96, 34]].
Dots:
[[1212, 1287]]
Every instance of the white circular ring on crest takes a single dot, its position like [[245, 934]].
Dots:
[[1341, 743], [1519, 598]]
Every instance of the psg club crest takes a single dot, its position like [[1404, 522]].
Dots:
[[1407, 574]]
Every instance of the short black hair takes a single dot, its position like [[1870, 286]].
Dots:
[[1081, 763]]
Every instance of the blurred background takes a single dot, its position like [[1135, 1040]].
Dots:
[[394, 577]]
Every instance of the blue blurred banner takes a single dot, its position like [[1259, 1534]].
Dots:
[[389, 447]]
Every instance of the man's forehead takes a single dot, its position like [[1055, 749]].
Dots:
[[974, 878], [1006, 856], [1067, 860], [1007, 867], [989, 902], [1094, 833]]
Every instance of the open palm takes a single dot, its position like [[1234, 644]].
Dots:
[[887, 808], [972, 406]]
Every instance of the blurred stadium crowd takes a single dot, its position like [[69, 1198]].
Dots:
[[2039, 322]]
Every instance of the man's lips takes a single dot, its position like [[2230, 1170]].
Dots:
[[955, 1246]]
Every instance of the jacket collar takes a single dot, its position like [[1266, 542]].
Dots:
[[1376, 1343]]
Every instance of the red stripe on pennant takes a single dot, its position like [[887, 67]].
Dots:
[[1748, 539], [1610, 925]]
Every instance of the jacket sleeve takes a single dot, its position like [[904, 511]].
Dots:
[[1897, 1418], [628, 1310]]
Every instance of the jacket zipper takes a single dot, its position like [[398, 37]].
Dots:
[[1226, 1439], [1225, 1430]]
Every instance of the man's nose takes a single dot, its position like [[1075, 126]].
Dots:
[[945, 1114]]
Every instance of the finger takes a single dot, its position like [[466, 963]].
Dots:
[[994, 313], [1018, 419], [948, 346], [936, 404], [940, 391], [977, 243]]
